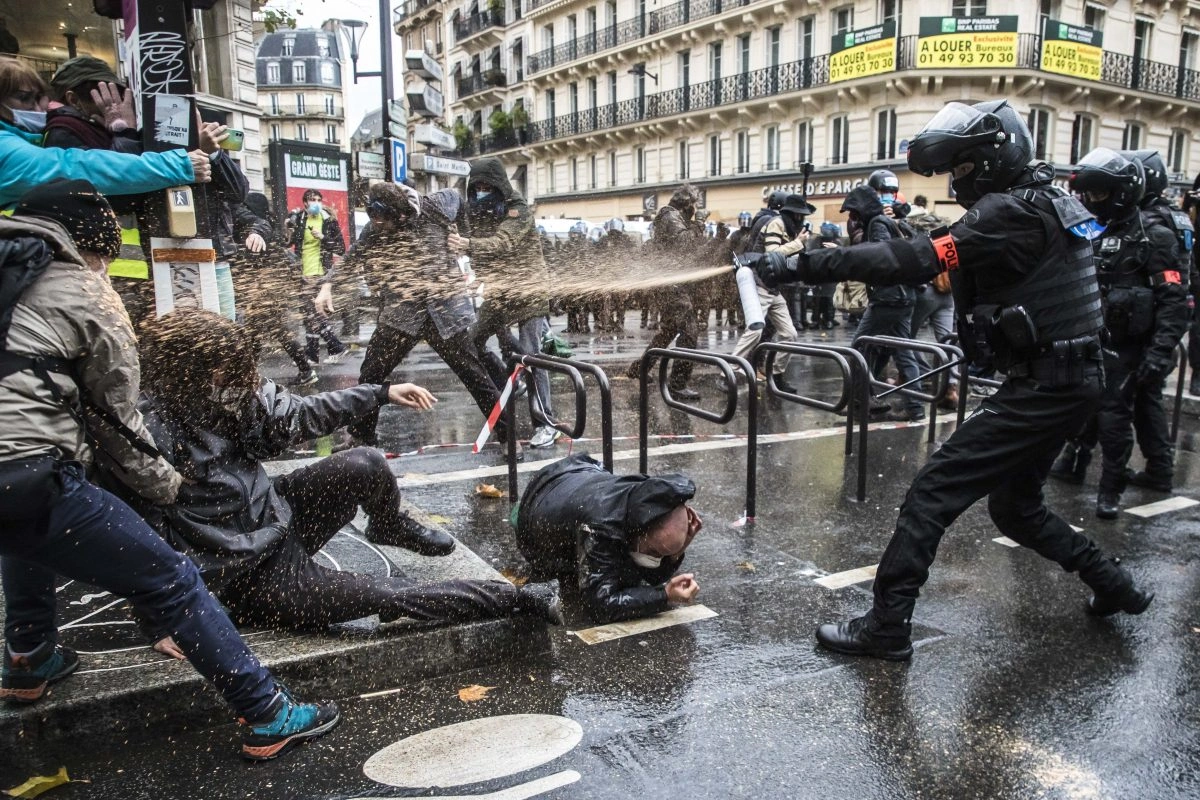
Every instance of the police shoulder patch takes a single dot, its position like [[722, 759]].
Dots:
[[1073, 215]]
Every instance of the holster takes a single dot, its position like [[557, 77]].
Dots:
[[1064, 362]]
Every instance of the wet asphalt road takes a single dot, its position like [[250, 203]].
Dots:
[[1013, 691]]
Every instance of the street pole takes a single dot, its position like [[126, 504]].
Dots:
[[385, 83]]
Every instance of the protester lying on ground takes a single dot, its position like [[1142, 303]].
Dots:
[[24, 164], [622, 537], [69, 351], [255, 539]]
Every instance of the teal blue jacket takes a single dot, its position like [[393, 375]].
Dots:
[[24, 164]]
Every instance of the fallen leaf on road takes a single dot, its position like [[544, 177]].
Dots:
[[488, 490], [1195, 630], [513, 578], [438, 519], [747, 566], [38, 784], [473, 694]]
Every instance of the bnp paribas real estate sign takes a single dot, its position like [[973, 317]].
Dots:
[[862, 53], [967, 42], [1072, 50]]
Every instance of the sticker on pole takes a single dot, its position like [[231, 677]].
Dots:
[[497, 410]]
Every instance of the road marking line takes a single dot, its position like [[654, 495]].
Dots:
[[1007, 542], [521, 792], [667, 619], [1162, 507], [1076, 528], [840, 580]]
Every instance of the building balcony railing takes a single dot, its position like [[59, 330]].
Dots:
[[411, 8], [466, 27], [1117, 69], [618, 34], [306, 111], [481, 82]]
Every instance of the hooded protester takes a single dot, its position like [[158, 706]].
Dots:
[[622, 538], [255, 538], [402, 255], [505, 250], [829, 236], [889, 308], [69, 380], [677, 237]]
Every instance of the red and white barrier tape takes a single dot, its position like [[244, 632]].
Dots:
[[497, 410]]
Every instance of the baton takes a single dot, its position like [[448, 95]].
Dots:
[[920, 378]]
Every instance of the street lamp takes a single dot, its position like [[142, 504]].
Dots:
[[355, 30], [640, 71]]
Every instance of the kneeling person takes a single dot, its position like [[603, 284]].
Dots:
[[623, 537], [255, 539]]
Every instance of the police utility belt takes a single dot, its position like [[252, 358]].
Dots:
[[1013, 338]]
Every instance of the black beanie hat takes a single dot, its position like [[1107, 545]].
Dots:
[[78, 207]]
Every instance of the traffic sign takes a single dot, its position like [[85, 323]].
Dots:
[[399, 160]]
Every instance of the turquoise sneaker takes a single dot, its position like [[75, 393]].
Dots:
[[27, 677], [285, 725]]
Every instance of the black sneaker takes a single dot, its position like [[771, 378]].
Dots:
[[412, 535], [303, 378], [1108, 505], [26, 678], [286, 724], [903, 416], [782, 385], [1132, 601], [541, 600], [853, 638]]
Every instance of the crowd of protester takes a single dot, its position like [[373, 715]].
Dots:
[[129, 435]]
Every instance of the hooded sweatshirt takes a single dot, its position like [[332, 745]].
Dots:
[[878, 227]]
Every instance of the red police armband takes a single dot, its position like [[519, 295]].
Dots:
[[1172, 276], [945, 248]]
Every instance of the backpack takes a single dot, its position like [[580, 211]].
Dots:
[[23, 260]]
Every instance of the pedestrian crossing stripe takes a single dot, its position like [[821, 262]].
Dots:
[[1162, 507], [619, 630], [1004, 540], [839, 580]]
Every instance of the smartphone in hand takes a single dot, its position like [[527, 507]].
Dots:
[[234, 140]]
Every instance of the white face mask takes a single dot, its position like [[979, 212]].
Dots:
[[645, 560], [32, 121]]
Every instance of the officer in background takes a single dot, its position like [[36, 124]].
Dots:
[[1021, 265], [1149, 413], [1145, 312]]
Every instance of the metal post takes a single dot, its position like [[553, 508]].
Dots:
[[385, 81], [510, 420]]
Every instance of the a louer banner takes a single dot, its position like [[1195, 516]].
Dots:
[[967, 42], [857, 54], [1072, 50]]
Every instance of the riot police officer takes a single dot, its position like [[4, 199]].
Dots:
[[1142, 278], [1149, 414], [1022, 270]]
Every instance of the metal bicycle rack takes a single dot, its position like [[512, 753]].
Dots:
[[723, 362], [856, 392], [1179, 380], [573, 370], [936, 350]]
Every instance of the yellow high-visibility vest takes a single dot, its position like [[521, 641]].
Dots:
[[131, 261]]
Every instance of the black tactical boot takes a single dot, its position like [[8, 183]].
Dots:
[[854, 638], [541, 600], [1129, 599], [406, 532], [1158, 479], [1071, 465], [1108, 504]]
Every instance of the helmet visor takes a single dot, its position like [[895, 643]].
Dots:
[[940, 144], [1105, 160]]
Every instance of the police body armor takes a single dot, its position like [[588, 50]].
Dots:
[[1047, 326], [1124, 281], [1163, 213]]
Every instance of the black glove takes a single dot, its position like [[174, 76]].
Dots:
[[1151, 372], [771, 268]]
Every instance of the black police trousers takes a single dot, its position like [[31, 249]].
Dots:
[[389, 346], [290, 589], [1128, 406], [1003, 451], [678, 319]]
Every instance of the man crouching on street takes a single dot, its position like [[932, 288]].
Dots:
[[215, 420], [622, 537]]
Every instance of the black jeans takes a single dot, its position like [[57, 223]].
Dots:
[[880, 320], [291, 590], [389, 346], [1003, 451], [91, 536], [678, 319]]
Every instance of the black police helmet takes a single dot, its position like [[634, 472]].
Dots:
[[991, 136], [776, 200], [884, 180], [1155, 169], [1108, 183]]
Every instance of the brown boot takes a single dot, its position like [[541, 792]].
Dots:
[[950, 401]]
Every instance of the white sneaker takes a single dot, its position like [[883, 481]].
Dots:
[[544, 436], [336, 358], [979, 390]]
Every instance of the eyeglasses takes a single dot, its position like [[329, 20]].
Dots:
[[377, 209]]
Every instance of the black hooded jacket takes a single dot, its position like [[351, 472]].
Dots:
[[576, 517], [878, 227]]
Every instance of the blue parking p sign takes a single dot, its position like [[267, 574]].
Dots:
[[399, 160]]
